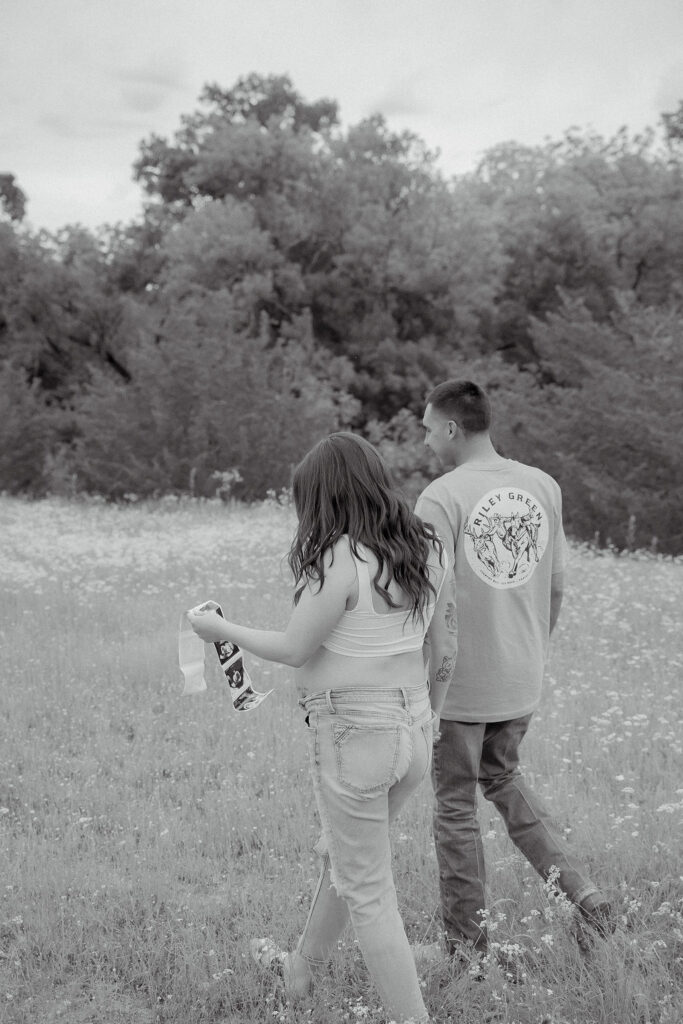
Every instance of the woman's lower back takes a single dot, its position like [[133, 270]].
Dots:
[[326, 670]]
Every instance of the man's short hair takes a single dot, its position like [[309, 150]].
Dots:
[[464, 402]]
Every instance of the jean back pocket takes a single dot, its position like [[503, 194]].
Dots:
[[367, 756]]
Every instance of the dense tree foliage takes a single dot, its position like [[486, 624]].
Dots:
[[12, 198], [287, 277]]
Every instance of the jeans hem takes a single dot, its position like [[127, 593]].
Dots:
[[311, 961], [582, 894]]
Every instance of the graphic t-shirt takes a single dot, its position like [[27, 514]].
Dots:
[[502, 521]]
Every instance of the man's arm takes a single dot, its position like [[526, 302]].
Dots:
[[556, 594], [442, 643]]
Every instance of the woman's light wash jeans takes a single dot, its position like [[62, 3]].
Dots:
[[369, 749]]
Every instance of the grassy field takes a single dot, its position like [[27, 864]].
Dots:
[[145, 836]]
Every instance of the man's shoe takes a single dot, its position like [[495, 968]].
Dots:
[[467, 960], [596, 917], [597, 912]]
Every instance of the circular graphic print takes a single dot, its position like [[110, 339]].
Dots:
[[505, 537]]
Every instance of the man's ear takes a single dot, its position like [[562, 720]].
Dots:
[[452, 429]]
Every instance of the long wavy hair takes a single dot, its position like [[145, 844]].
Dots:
[[343, 486]]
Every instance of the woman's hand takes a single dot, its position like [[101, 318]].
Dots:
[[436, 727], [208, 625], [312, 619]]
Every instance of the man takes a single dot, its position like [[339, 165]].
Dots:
[[502, 523]]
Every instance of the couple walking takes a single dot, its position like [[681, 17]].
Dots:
[[420, 640]]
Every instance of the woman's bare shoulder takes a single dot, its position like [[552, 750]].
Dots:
[[339, 559]]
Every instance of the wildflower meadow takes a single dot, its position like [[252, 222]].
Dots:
[[145, 837]]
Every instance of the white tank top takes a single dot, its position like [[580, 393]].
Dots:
[[363, 632]]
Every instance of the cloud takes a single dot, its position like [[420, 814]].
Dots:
[[63, 126], [144, 86], [163, 70], [143, 99], [86, 129], [401, 99]]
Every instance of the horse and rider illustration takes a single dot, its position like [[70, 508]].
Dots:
[[503, 543]]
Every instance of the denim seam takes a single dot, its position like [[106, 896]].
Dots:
[[316, 743], [425, 729], [391, 714], [311, 960], [564, 855], [328, 833]]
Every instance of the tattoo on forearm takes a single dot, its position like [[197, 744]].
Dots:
[[446, 670], [451, 618]]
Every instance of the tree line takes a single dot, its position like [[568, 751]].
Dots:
[[287, 277]]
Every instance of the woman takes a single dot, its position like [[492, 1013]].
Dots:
[[369, 576]]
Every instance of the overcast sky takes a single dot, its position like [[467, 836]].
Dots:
[[82, 82]]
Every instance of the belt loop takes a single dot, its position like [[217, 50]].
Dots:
[[328, 700], [406, 700]]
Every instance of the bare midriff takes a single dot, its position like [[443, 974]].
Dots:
[[326, 670]]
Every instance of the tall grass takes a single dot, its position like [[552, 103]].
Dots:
[[145, 836]]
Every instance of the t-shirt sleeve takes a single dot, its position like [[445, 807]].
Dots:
[[431, 510], [560, 547]]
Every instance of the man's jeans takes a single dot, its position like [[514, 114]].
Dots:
[[486, 753], [369, 750]]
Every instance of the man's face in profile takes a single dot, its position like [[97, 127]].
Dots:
[[439, 433]]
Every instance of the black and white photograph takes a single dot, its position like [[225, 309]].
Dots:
[[341, 382]]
